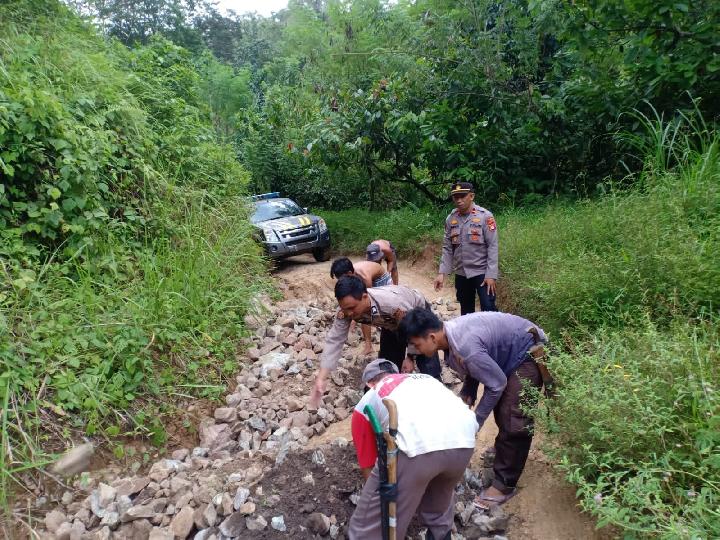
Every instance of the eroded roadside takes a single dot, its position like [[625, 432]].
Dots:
[[267, 466]]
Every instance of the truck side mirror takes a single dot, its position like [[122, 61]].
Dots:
[[305, 209]]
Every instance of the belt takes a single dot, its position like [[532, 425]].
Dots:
[[537, 355]]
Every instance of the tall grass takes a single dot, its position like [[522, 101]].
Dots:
[[83, 353], [409, 228], [126, 257], [629, 286]]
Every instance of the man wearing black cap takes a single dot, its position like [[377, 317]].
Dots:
[[379, 250], [436, 439], [470, 251]]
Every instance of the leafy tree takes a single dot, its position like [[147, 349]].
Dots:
[[136, 21]]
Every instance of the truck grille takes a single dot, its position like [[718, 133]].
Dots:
[[307, 233]]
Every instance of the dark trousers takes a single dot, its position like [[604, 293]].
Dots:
[[515, 428], [465, 290], [393, 346]]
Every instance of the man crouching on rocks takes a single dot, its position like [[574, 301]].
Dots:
[[495, 349], [383, 307], [435, 438]]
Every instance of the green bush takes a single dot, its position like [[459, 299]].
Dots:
[[126, 257], [629, 287], [637, 427], [409, 228], [651, 251]]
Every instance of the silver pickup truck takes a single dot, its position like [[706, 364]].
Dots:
[[285, 229]]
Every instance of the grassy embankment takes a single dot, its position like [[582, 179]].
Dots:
[[628, 286], [126, 257]]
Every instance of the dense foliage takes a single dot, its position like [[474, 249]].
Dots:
[[128, 262], [126, 257], [628, 287], [397, 99], [522, 98]]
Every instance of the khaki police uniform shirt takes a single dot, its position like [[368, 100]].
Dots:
[[388, 306], [470, 244]]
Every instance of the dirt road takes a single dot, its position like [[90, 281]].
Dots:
[[545, 507], [264, 465]]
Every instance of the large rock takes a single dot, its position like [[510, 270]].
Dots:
[[101, 498], [278, 523], [160, 534], [253, 472], [180, 454], [318, 523], [241, 496], [64, 531], [256, 523], [232, 400], [75, 460], [234, 525], [300, 419], [138, 512], [226, 414], [294, 404], [247, 508], [206, 488], [206, 534], [179, 484], [272, 360], [127, 487], [498, 519], [210, 514], [212, 434], [257, 423], [163, 468], [54, 519], [182, 523], [106, 494]]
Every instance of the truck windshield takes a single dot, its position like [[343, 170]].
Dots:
[[275, 208]]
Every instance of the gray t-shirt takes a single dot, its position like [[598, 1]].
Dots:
[[488, 346]]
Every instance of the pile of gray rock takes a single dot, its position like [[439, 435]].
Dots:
[[208, 490], [214, 491]]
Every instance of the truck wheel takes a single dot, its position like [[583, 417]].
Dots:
[[321, 254]]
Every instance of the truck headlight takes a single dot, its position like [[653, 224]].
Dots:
[[322, 226], [270, 235]]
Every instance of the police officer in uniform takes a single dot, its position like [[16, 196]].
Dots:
[[383, 307], [503, 352], [470, 250]]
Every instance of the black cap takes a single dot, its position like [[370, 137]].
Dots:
[[374, 253], [461, 188]]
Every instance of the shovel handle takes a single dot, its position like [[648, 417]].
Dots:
[[392, 461]]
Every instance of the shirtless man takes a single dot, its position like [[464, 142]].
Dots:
[[372, 274], [382, 250]]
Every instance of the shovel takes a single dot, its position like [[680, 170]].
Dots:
[[387, 467]]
